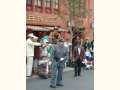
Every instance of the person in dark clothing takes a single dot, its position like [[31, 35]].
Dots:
[[78, 55]]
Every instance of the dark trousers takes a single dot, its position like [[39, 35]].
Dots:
[[77, 67]]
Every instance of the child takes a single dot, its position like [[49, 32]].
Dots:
[[88, 59]]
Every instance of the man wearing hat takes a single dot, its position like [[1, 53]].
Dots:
[[30, 43], [59, 58]]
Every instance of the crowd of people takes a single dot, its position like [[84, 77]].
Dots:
[[54, 56]]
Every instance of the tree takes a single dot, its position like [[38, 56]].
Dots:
[[74, 9], [77, 8]]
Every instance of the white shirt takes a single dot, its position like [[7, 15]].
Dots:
[[79, 50], [30, 47], [87, 53]]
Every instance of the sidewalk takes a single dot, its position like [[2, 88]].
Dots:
[[65, 70], [68, 69]]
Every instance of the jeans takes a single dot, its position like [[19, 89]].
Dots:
[[77, 67], [57, 73]]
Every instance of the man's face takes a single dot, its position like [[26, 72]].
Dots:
[[61, 44], [78, 40], [32, 38]]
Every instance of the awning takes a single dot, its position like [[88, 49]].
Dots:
[[40, 28], [37, 28]]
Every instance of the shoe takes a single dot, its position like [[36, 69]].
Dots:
[[60, 85], [28, 77], [87, 68], [75, 77], [52, 86]]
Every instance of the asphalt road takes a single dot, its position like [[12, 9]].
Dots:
[[85, 82]]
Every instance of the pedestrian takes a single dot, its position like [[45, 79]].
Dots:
[[78, 55], [60, 56], [30, 43]]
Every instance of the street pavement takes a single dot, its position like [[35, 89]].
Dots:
[[85, 82]]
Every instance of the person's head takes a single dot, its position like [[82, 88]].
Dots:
[[61, 42], [45, 42], [32, 37], [78, 40]]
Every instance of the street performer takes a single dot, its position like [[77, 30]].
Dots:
[[30, 43]]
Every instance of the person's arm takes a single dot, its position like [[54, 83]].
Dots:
[[73, 54], [66, 54], [34, 43], [83, 53], [90, 55], [53, 52]]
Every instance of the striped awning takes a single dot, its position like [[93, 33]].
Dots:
[[40, 28], [37, 28]]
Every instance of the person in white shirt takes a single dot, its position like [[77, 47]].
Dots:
[[30, 43]]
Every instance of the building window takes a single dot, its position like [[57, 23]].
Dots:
[[48, 6], [55, 4], [29, 2], [29, 5], [47, 3], [38, 5]]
